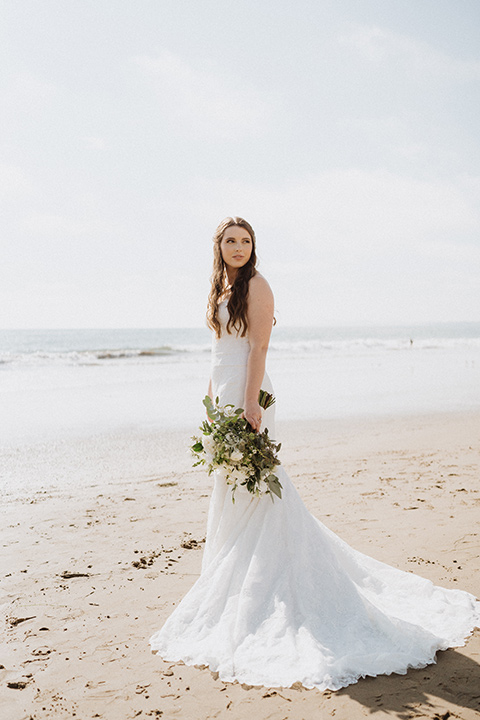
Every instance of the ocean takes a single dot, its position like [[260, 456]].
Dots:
[[55, 383]]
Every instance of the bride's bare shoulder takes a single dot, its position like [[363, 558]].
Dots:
[[259, 290], [259, 285]]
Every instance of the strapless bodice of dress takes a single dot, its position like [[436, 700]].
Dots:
[[229, 369]]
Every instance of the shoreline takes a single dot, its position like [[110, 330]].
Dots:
[[92, 567], [32, 464]]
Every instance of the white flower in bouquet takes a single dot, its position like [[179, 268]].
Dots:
[[209, 446], [239, 474]]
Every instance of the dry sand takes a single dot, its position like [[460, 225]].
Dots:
[[89, 570]]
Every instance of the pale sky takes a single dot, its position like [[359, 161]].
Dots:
[[345, 131]]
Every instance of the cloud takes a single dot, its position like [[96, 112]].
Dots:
[[93, 142], [379, 45], [204, 99], [50, 225], [13, 181], [27, 92]]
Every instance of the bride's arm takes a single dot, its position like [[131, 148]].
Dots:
[[260, 321]]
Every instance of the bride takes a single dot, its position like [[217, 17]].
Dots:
[[282, 599]]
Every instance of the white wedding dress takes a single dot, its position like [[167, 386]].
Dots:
[[281, 599]]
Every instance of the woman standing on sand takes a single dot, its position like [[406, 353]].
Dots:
[[282, 599]]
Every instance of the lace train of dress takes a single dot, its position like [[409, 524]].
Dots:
[[282, 599]]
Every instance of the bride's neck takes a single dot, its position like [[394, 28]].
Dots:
[[230, 275]]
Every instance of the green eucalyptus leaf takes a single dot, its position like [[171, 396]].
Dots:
[[276, 488]]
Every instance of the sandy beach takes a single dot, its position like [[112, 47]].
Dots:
[[90, 568]]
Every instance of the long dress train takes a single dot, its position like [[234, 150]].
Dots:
[[282, 599]]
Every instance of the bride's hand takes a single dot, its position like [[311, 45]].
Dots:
[[253, 415]]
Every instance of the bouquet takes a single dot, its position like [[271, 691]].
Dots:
[[243, 456]]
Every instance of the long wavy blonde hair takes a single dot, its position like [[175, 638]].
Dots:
[[237, 302]]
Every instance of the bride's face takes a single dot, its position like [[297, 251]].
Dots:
[[236, 247]]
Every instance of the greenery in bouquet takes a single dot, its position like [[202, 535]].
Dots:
[[243, 456]]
